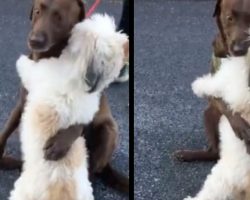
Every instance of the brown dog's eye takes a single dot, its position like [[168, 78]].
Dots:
[[37, 12], [57, 16], [229, 18]]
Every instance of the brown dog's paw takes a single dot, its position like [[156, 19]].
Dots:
[[247, 143], [9, 163], [197, 155], [245, 133], [54, 150], [240, 126], [58, 146], [183, 155]]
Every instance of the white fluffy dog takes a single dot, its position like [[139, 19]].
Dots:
[[230, 177], [59, 97]]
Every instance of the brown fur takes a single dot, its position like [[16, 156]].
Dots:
[[63, 190], [231, 18], [103, 125], [45, 118], [48, 37], [247, 192]]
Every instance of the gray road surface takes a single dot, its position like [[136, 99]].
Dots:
[[172, 47]]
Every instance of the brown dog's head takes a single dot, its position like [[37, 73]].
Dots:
[[233, 20], [52, 21]]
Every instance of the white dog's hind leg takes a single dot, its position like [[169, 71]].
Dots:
[[216, 186], [230, 174]]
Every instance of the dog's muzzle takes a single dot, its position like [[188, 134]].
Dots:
[[38, 42], [239, 48]]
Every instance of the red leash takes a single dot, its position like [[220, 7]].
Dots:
[[92, 8]]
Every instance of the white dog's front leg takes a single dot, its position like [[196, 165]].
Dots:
[[24, 67], [19, 192], [206, 86], [216, 186]]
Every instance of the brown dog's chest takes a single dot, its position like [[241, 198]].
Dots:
[[215, 64]]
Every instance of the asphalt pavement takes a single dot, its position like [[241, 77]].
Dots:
[[14, 27], [172, 47]]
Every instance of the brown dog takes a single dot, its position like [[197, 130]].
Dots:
[[52, 21], [233, 20]]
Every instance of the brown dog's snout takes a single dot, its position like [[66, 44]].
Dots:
[[239, 48], [38, 41]]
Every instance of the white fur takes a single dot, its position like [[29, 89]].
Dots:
[[230, 83], [231, 175], [59, 83]]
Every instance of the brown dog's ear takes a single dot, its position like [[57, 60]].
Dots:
[[217, 9], [219, 47], [31, 13], [220, 44], [82, 10]]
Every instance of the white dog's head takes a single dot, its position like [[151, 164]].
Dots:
[[96, 53], [99, 47]]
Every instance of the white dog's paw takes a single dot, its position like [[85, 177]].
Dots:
[[23, 59], [199, 86], [90, 197], [189, 198], [23, 62]]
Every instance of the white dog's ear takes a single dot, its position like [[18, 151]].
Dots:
[[110, 54], [81, 40], [113, 45], [81, 47], [126, 51], [24, 66]]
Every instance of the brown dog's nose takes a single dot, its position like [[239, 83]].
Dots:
[[37, 41], [239, 48]]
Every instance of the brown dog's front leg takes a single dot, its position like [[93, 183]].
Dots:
[[58, 146], [10, 127], [211, 120], [101, 137], [14, 118]]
